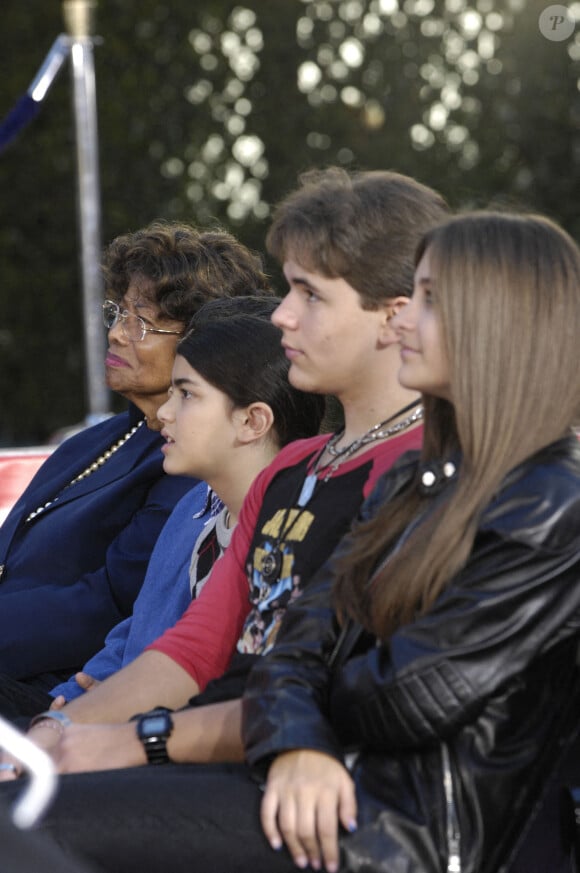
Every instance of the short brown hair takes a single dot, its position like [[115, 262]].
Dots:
[[363, 227]]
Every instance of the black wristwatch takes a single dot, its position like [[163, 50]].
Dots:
[[153, 729]]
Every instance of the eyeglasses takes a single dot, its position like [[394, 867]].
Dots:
[[134, 328]]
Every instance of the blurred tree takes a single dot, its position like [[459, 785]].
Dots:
[[207, 113]]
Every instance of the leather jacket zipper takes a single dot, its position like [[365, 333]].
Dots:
[[453, 837]]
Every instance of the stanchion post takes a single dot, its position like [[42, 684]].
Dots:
[[79, 21]]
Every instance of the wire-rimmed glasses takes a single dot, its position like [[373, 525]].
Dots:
[[134, 328]]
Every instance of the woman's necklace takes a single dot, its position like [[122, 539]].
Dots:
[[102, 459], [272, 561]]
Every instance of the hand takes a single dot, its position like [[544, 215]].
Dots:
[[85, 747], [84, 681], [307, 795], [44, 735], [9, 768]]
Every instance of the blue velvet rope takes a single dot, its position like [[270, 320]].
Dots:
[[28, 105], [19, 116]]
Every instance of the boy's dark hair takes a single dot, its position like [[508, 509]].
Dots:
[[234, 346]]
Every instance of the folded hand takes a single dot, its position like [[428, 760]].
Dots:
[[308, 794]]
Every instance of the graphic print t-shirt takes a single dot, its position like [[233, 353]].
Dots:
[[303, 538]]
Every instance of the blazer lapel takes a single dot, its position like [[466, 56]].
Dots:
[[69, 462]]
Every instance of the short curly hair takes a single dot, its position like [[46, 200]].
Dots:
[[184, 267]]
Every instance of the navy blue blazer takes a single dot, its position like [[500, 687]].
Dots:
[[74, 571]]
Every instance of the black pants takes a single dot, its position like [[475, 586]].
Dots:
[[20, 700], [182, 819], [201, 818], [29, 852]]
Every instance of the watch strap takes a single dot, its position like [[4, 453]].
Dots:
[[156, 750]]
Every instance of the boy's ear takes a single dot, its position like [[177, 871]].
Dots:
[[254, 421], [390, 308], [396, 304]]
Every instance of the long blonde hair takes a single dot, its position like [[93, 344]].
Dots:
[[507, 291]]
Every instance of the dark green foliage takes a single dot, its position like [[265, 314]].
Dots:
[[510, 136]]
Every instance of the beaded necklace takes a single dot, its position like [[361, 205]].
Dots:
[[272, 561], [102, 459]]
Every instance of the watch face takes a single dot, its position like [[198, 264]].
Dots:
[[157, 724], [154, 725]]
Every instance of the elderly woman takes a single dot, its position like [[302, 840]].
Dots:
[[75, 548]]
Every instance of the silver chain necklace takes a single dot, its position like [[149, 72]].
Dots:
[[376, 432], [272, 561]]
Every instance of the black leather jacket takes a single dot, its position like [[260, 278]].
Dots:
[[459, 718]]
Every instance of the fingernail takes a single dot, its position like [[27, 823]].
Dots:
[[301, 861], [276, 844], [315, 864], [332, 867], [352, 826]]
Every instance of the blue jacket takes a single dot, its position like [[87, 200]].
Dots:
[[74, 571], [163, 598]]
